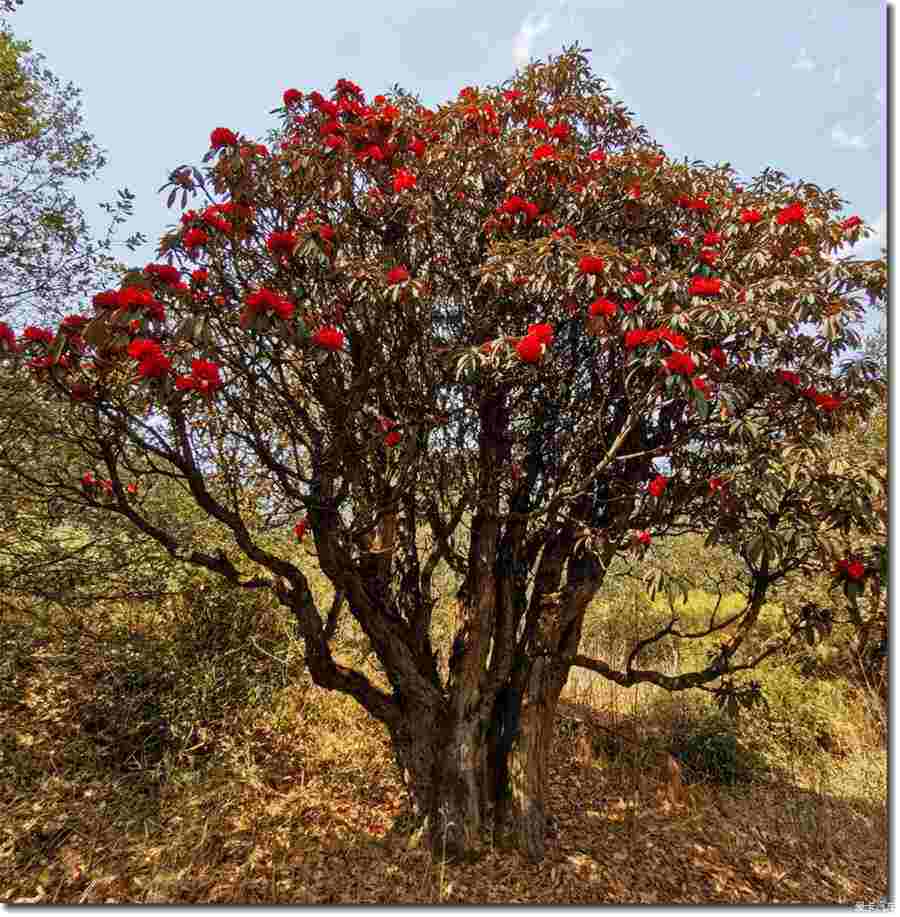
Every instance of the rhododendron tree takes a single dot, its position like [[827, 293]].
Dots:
[[449, 361]]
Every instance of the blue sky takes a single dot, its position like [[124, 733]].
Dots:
[[797, 86]]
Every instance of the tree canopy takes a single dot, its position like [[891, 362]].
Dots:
[[511, 325]]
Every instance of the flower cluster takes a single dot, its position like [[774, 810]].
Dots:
[[705, 286], [531, 347], [267, 301], [281, 243], [795, 213], [657, 486], [329, 338], [204, 378], [152, 363], [590, 264], [516, 204]]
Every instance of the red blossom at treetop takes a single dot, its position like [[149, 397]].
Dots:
[[794, 213], [851, 223], [194, 238], [31, 333], [750, 216], [222, 137], [165, 273], [291, 97], [545, 151]]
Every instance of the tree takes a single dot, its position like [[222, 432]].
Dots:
[[48, 255], [512, 325]]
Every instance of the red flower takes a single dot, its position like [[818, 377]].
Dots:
[[565, 231], [712, 238], [32, 334], [643, 538], [716, 484], [373, 152], [717, 355], [750, 216], [538, 124], [512, 95], [597, 156], [281, 243], [204, 377], [165, 273], [810, 392], [326, 233], [201, 275], [701, 385], [704, 286], [143, 349], [221, 137], [301, 527], [529, 349], [154, 367], [658, 485], [347, 87], [543, 332], [603, 307], [545, 151], [132, 489], [88, 480], [787, 377], [194, 238], [329, 338], [637, 276], [851, 222], [404, 181], [397, 274], [640, 336], [560, 131], [291, 97], [678, 341], [856, 570], [266, 300], [795, 213], [107, 299], [709, 256], [392, 439], [590, 264], [828, 403], [8, 337], [681, 363], [333, 141]]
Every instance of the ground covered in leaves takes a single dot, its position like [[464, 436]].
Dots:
[[292, 798]]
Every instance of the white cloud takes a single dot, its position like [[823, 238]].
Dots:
[[530, 29], [804, 61], [845, 141], [837, 75]]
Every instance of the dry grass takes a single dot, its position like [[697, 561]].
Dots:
[[289, 796]]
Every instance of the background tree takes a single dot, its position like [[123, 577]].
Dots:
[[508, 335]]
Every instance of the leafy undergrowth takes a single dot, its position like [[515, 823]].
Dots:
[[291, 797]]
